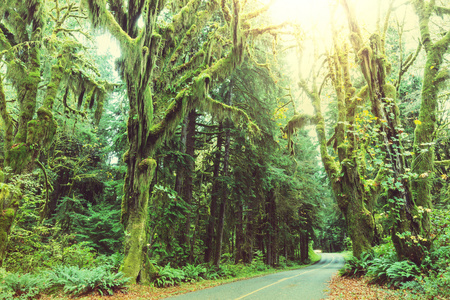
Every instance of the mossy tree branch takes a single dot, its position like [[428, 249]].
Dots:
[[102, 17], [258, 12], [6, 117]]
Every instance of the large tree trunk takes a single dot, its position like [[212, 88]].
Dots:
[[271, 229], [209, 241], [224, 187], [424, 135], [9, 202], [304, 246], [181, 170], [240, 253], [134, 218], [188, 185]]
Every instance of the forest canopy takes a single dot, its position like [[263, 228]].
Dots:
[[218, 133]]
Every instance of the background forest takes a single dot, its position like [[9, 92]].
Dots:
[[220, 141]]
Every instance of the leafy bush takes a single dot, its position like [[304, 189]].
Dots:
[[75, 281], [211, 274], [226, 271], [169, 276], [112, 262], [258, 261], [388, 270], [356, 267], [437, 284], [22, 286], [99, 226], [193, 273], [79, 255]]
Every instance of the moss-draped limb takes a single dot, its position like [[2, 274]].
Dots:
[[5, 44], [404, 66], [9, 202], [298, 121], [442, 163], [226, 11], [102, 17], [440, 10], [273, 29], [258, 12], [57, 73], [6, 117], [42, 129], [27, 91]]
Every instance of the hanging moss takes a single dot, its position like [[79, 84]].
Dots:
[[52, 87], [298, 121], [99, 109], [41, 131]]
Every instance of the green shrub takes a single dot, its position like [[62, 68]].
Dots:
[[22, 286], [258, 261], [433, 286], [169, 276], [112, 262], [212, 273], [79, 255], [76, 281], [226, 271], [388, 270], [356, 267], [193, 273]]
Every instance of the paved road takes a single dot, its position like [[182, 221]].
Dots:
[[304, 284]]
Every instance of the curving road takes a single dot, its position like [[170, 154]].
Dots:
[[308, 283]]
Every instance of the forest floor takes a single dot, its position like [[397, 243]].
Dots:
[[340, 288]]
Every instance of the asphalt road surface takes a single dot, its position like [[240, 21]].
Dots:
[[309, 283]]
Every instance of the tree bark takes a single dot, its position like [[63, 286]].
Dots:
[[209, 242], [188, 185], [224, 186], [9, 203]]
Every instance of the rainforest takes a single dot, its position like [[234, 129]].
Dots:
[[149, 148]]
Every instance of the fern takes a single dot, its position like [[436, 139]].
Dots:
[[23, 286], [193, 273], [356, 267], [76, 281], [169, 276]]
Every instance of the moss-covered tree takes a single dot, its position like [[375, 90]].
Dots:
[[355, 187], [39, 52], [166, 78], [435, 73]]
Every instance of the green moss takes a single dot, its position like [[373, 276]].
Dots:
[[18, 157], [126, 156], [365, 51], [9, 202], [147, 164], [41, 131], [390, 92], [134, 265]]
